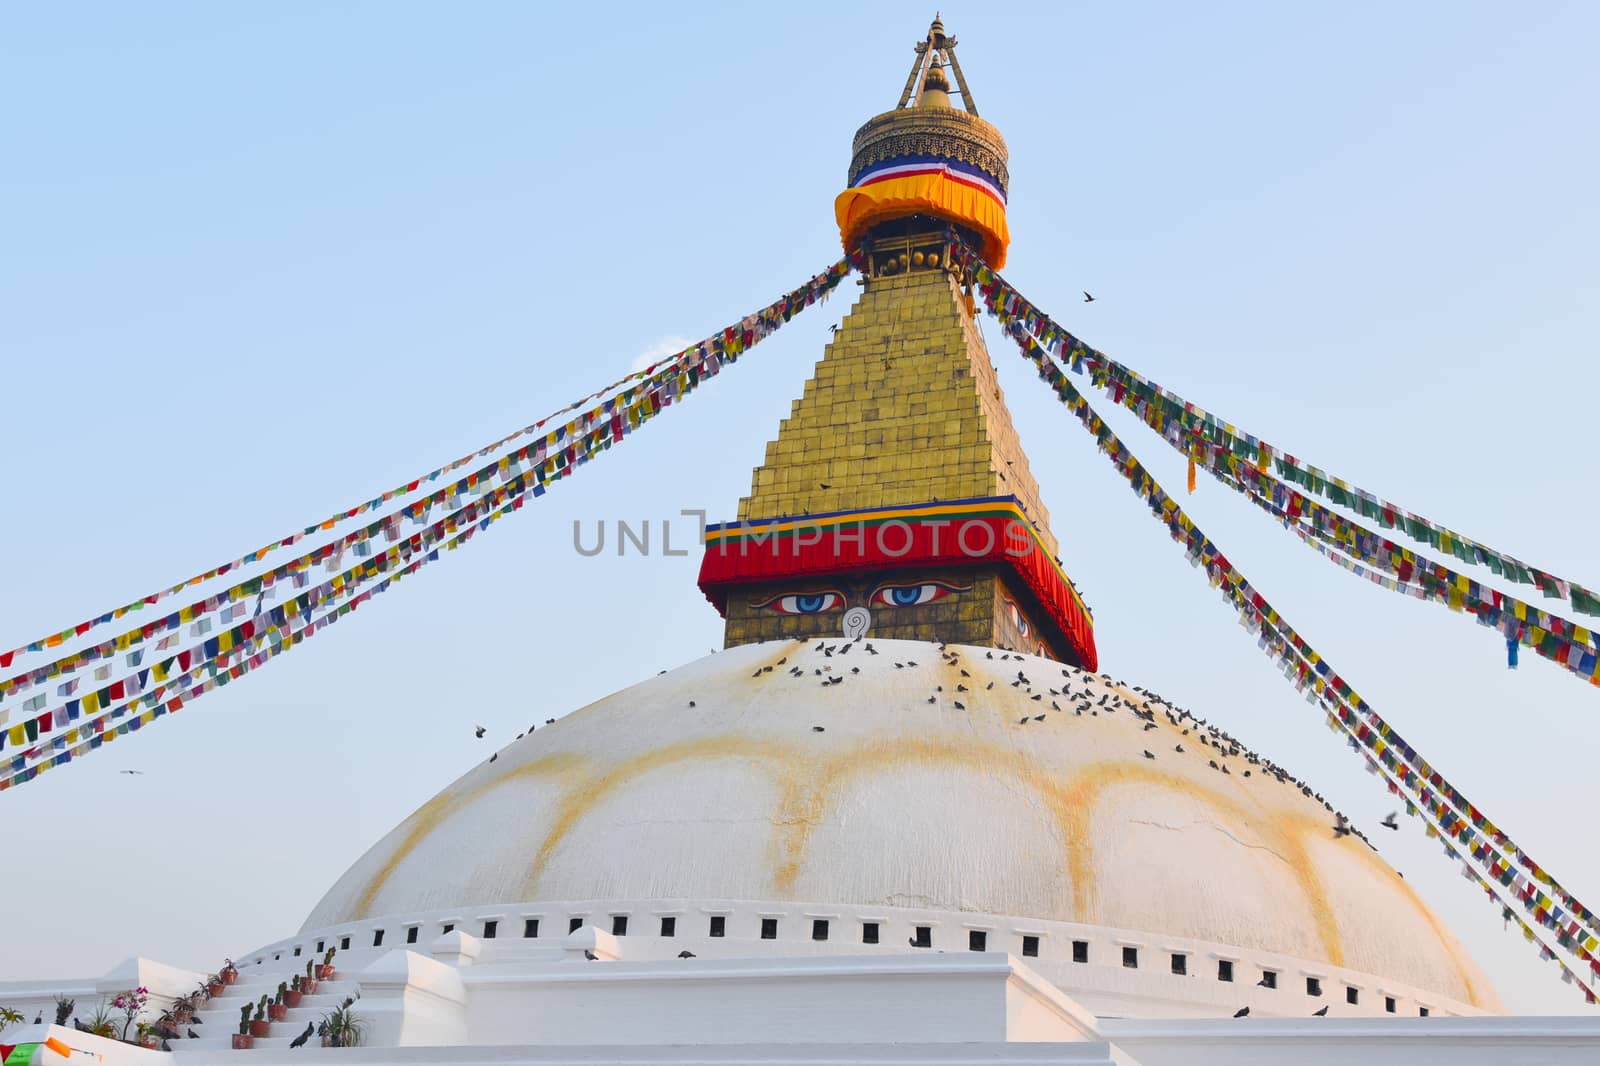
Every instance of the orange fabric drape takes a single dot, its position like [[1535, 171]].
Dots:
[[857, 210]]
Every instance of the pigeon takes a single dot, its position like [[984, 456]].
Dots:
[[816, 729], [79, 1026], [1341, 828], [347, 1001], [1242, 1012], [39, 1020], [1320, 1013], [591, 956], [691, 703], [193, 1035], [300, 1041], [1147, 755], [478, 732], [495, 756], [1392, 821], [1263, 983], [686, 955], [130, 771], [164, 1045]]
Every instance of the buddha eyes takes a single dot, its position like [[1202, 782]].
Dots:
[[910, 595], [913, 594], [1018, 619], [804, 603]]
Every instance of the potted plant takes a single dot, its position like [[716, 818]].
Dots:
[[64, 1009], [277, 1010], [183, 1010], [130, 1003], [308, 984], [342, 1028], [103, 1022], [242, 1040], [230, 973], [215, 986], [259, 1025], [292, 994], [325, 967]]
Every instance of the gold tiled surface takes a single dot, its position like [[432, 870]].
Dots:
[[903, 408]]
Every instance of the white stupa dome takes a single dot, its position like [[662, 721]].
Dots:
[[733, 779]]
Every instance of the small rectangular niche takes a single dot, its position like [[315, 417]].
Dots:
[[319, 947], [344, 943], [1180, 964], [1030, 947], [669, 925], [819, 929], [619, 925], [923, 937], [1130, 958], [297, 950], [1313, 986], [377, 938], [1352, 996], [1080, 951], [1422, 1012], [1269, 978], [869, 932], [491, 928], [1388, 1004], [530, 928], [719, 925], [977, 940], [448, 927], [769, 929], [411, 936], [574, 924], [1225, 970]]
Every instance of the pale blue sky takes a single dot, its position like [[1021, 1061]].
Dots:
[[259, 262]]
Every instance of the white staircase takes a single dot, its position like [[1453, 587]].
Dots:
[[219, 1017]]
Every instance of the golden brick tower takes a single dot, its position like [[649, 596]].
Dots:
[[896, 500]]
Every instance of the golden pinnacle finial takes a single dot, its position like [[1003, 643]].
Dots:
[[935, 88]]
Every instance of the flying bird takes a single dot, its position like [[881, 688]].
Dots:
[[1088, 299], [130, 771], [1341, 828], [817, 729], [1392, 821], [478, 732]]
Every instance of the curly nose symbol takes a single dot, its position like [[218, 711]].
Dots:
[[857, 620]]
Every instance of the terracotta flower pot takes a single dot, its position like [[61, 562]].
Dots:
[[277, 1012], [308, 986], [243, 1041], [319, 970], [291, 998], [230, 976], [216, 988], [328, 972], [261, 1028]]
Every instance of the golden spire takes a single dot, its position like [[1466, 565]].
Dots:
[[935, 89]]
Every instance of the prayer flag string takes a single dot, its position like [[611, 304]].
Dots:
[[687, 366], [622, 416], [1308, 670], [1130, 389]]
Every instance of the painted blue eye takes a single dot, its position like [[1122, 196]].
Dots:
[[803, 602], [913, 595]]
